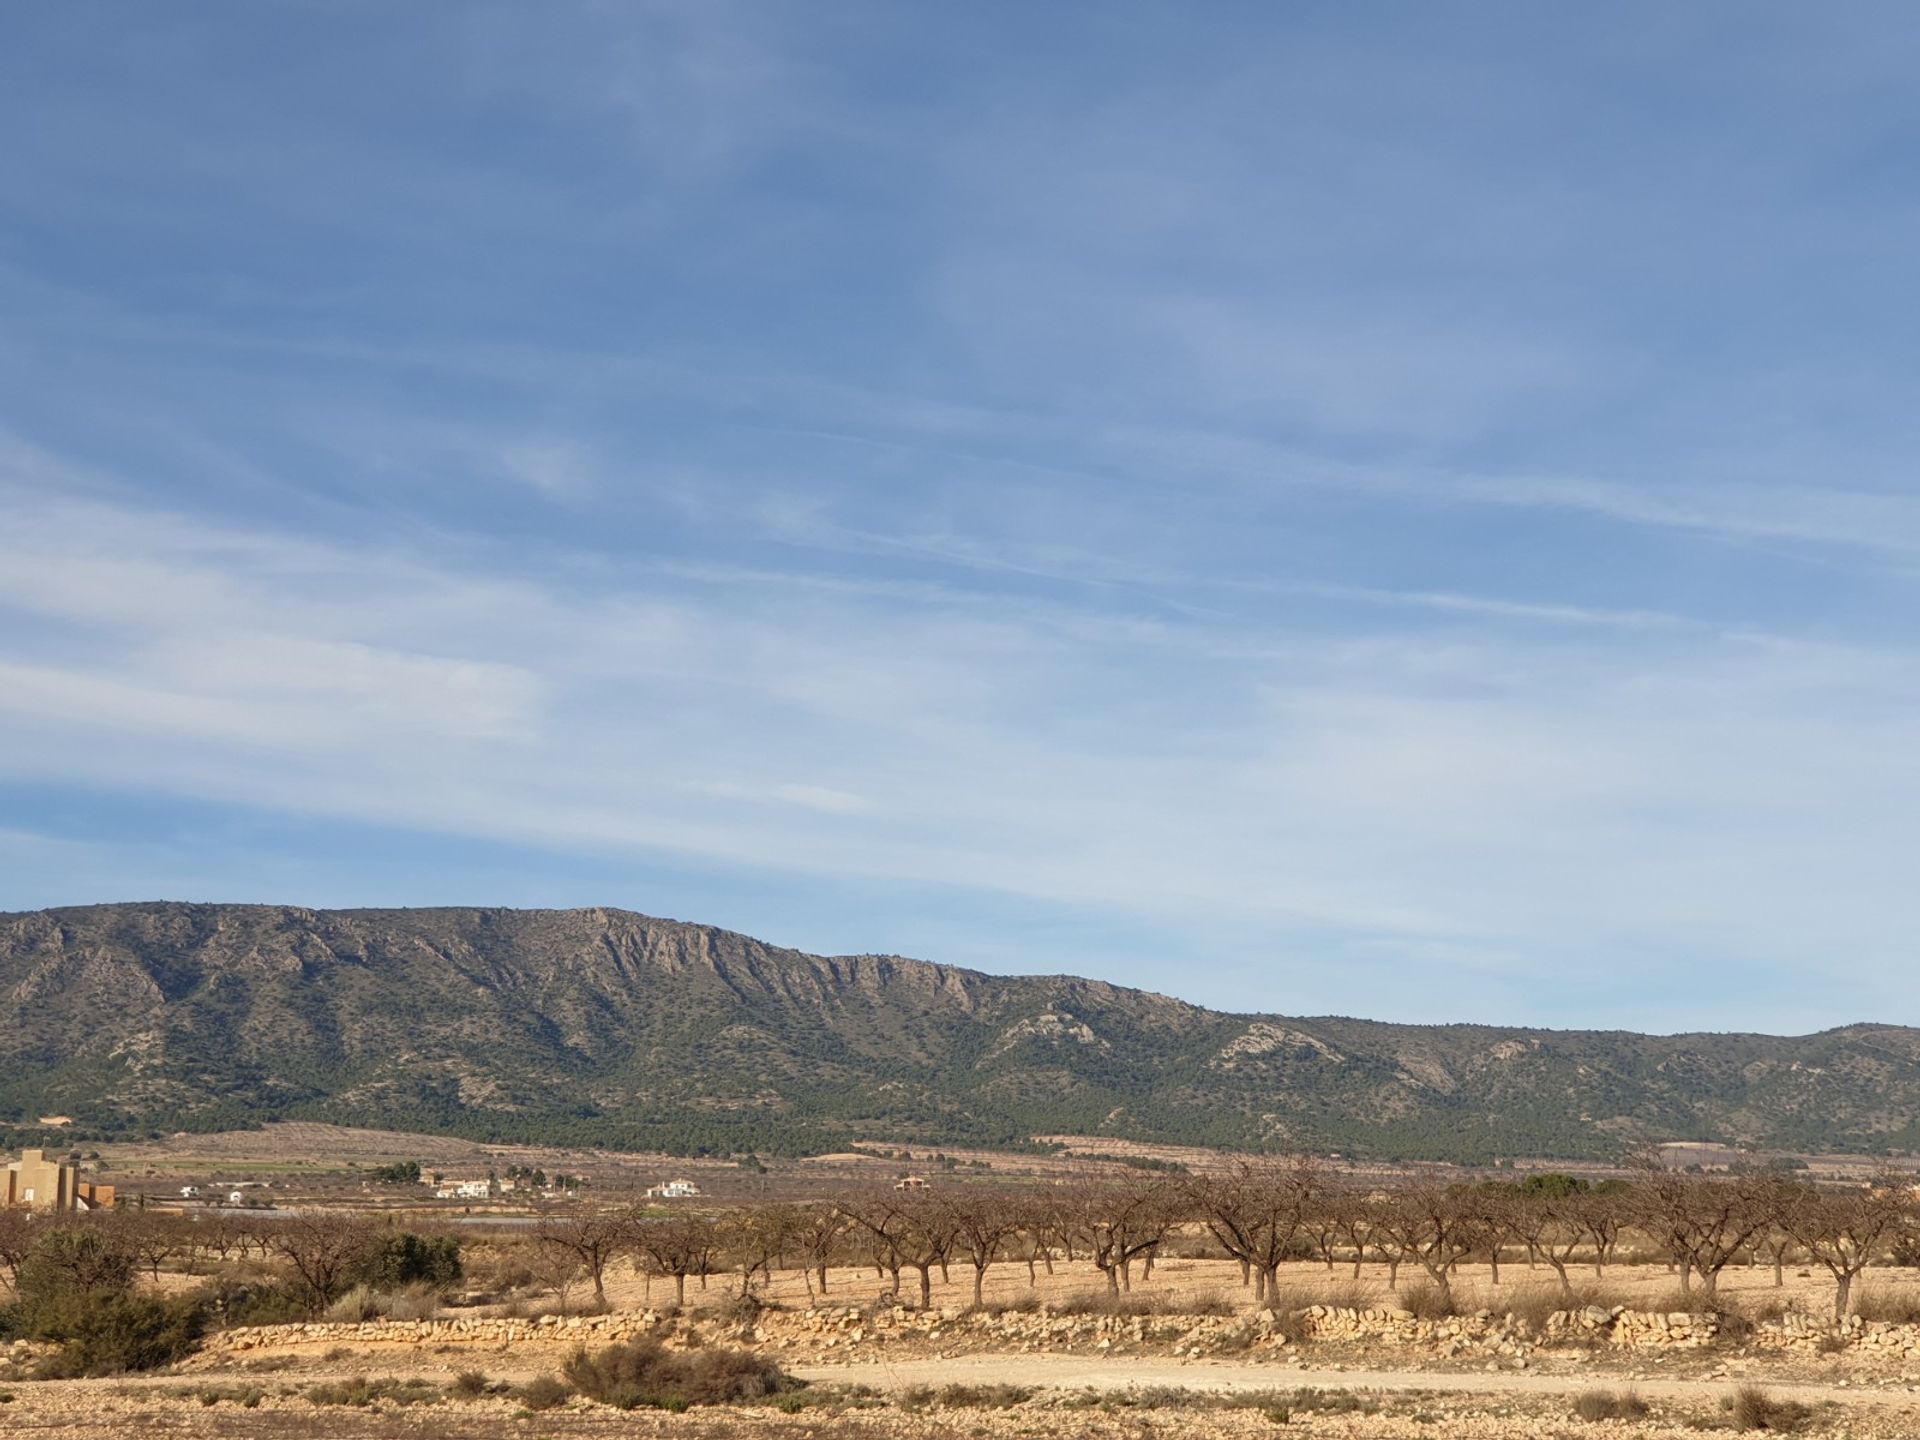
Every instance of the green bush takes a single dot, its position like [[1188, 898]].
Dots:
[[543, 1392], [126, 1332], [75, 1288], [361, 1392], [239, 1306], [644, 1373], [398, 1261], [1609, 1405]]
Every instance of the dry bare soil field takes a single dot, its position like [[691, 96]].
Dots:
[[519, 1346], [871, 1369]]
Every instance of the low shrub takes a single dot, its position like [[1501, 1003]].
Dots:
[[955, 1397], [118, 1335], [644, 1373], [1102, 1302], [360, 1392], [1534, 1304], [544, 1392], [363, 1303], [240, 1306], [1896, 1306], [1334, 1294], [1026, 1303], [1428, 1301], [397, 1262], [1752, 1408], [1609, 1405], [470, 1384]]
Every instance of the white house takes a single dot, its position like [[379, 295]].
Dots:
[[674, 1190], [466, 1190]]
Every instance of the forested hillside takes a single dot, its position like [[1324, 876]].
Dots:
[[601, 1026]]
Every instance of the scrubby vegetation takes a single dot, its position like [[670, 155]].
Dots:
[[644, 1373], [1752, 1408], [1609, 1405]]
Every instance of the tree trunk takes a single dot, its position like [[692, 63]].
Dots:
[[823, 1277], [926, 1286], [1842, 1295], [979, 1285], [679, 1288]]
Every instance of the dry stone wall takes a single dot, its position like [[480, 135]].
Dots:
[[855, 1332]]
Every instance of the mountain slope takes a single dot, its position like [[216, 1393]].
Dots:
[[601, 1025]]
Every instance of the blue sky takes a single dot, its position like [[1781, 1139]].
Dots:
[[1399, 510]]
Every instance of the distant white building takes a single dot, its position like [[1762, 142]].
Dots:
[[674, 1190], [467, 1190]]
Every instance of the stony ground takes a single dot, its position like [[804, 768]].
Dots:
[[269, 1408], [936, 1376]]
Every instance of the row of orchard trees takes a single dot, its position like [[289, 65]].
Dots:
[[1257, 1214], [1264, 1214]]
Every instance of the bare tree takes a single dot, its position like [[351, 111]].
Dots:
[[818, 1232], [680, 1246], [754, 1240], [1429, 1222], [1602, 1214], [1117, 1223], [17, 1235], [593, 1238], [1258, 1214], [926, 1237], [878, 1218], [980, 1225], [1552, 1225], [1845, 1229], [321, 1251], [1704, 1224], [155, 1238]]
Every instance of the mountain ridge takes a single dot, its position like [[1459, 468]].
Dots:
[[601, 1025]]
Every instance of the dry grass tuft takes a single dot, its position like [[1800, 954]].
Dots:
[[1100, 1302], [1609, 1405], [1751, 1408]]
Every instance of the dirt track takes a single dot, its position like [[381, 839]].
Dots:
[[1076, 1372]]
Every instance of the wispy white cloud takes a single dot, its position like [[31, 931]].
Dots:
[[1490, 791]]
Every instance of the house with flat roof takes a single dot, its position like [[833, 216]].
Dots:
[[33, 1182]]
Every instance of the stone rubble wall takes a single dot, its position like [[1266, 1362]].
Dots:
[[851, 1332], [1809, 1332]]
